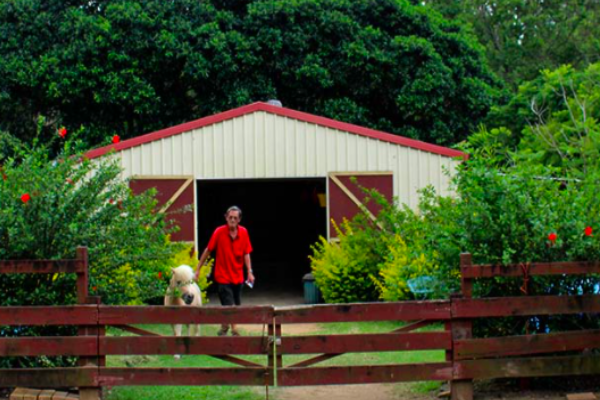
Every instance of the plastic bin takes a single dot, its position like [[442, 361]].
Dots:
[[312, 295]]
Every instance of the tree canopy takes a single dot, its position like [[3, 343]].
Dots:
[[131, 66], [523, 37]]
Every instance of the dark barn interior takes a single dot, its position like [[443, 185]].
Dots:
[[284, 217]]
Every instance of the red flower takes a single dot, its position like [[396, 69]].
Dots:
[[116, 139], [552, 237], [110, 201], [588, 231], [159, 275], [25, 198], [95, 289], [62, 132], [69, 181]]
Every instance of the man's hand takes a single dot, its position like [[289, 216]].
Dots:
[[251, 277]]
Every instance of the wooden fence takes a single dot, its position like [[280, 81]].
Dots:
[[467, 358]]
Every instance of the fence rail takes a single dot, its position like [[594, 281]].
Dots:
[[467, 358]]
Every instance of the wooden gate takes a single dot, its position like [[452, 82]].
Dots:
[[467, 358]]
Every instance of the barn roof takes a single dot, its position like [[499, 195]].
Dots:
[[282, 111]]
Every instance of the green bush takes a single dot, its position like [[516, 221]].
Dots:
[[342, 270], [75, 202], [53, 200], [402, 265]]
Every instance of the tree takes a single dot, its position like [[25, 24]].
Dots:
[[130, 66], [552, 121], [523, 37], [50, 205]]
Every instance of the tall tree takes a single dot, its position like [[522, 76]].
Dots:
[[522, 37], [132, 66]]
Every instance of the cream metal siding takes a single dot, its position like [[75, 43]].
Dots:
[[265, 145]]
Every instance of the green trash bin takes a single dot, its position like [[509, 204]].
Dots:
[[312, 295]]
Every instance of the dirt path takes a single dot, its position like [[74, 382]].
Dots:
[[349, 392], [406, 392]]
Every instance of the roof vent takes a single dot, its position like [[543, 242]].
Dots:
[[275, 103]]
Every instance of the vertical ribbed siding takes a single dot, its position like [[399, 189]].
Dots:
[[263, 145]]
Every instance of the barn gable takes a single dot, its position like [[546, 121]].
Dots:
[[266, 141]]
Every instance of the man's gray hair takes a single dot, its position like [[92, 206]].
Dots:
[[234, 208]]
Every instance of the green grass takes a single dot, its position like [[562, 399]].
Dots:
[[177, 392], [232, 392]]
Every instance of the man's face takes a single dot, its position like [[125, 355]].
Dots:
[[233, 218]]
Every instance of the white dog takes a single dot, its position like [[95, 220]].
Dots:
[[184, 291]]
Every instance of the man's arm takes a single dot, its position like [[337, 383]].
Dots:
[[203, 258], [248, 263]]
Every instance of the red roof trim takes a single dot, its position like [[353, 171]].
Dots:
[[284, 112]]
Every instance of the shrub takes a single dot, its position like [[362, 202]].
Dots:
[[403, 266], [52, 200], [342, 270]]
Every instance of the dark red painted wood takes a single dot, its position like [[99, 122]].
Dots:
[[53, 315], [341, 206], [238, 361], [124, 315], [83, 279], [557, 268], [314, 360], [41, 266], [364, 374], [183, 345], [48, 346], [137, 331], [526, 344], [366, 343], [400, 311], [413, 326], [527, 367], [183, 376], [534, 305], [48, 377], [166, 188]]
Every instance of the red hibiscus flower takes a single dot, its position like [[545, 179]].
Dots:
[[116, 139], [552, 237], [588, 231], [62, 132], [25, 198], [159, 275]]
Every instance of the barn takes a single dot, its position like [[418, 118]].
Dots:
[[290, 172]]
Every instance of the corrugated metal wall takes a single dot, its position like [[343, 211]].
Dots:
[[264, 145]]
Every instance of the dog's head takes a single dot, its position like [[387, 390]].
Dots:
[[181, 283]]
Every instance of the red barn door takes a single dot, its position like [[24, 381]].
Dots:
[[346, 197], [176, 197]]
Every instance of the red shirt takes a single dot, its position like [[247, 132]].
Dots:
[[229, 264]]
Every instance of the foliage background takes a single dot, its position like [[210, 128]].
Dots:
[[77, 202], [129, 67]]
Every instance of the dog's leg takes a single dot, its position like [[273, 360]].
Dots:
[[177, 330], [194, 330]]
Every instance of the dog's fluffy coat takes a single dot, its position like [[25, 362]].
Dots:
[[184, 291]]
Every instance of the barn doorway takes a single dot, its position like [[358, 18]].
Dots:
[[284, 218]]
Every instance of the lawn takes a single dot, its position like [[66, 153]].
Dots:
[[233, 392]]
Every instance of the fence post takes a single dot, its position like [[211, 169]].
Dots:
[[462, 389], [275, 356], [86, 393], [82, 276]]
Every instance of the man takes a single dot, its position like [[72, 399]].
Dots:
[[232, 246]]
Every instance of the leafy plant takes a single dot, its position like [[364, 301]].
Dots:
[[52, 201], [342, 270]]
